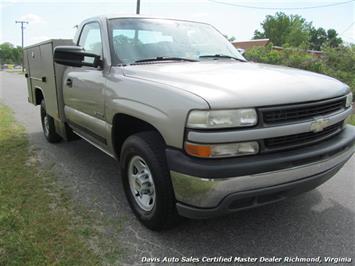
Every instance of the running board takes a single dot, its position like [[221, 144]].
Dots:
[[95, 145]]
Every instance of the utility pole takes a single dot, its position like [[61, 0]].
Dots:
[[22, 28], [138, 10]]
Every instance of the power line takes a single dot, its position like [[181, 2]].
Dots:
[[347, 28], [278, 8]]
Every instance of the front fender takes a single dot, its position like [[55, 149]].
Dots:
[[160, 105]]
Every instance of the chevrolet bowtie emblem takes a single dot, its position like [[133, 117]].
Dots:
[[319, 124]]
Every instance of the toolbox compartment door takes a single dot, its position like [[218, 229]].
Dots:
[[44, 75]]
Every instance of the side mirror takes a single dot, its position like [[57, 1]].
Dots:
[[75, 56]]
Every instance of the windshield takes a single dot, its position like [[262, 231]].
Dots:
[[135, 39]]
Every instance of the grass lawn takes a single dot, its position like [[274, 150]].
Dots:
[[38, 224]]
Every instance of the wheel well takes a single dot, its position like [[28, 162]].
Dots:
[[38, 96], [124, 126]]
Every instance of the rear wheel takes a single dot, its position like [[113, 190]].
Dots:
[[48, 125], [147, 181]]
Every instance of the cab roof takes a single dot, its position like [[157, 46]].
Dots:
[[118, 16]]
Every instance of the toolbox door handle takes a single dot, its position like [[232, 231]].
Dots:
[[69, 83]]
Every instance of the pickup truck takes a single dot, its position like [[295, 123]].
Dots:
[[197, 129]]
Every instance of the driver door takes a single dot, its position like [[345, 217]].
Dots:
[[84, 88]]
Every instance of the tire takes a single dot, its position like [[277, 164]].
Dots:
[[48, 125], [148, 148]]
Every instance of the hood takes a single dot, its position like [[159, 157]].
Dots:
[[230, 84]]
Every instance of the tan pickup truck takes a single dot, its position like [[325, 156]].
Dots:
[[198, 130]]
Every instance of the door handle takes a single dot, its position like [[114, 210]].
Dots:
[[69, 83]]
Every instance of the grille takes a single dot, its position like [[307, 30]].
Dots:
[[291, 113], [296, 140]]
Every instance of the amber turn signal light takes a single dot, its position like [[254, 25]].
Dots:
[[198, 150], [223, 150]]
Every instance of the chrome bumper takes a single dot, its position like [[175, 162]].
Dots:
[[209, 192]]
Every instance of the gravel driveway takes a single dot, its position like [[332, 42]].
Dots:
[[318, 223]]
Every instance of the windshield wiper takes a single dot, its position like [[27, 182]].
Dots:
[[164, 58], [221, 56]]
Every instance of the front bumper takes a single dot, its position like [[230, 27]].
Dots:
[[206, 187]]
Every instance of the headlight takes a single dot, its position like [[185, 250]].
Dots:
[[222, 118], [349, 100], [222, 150]]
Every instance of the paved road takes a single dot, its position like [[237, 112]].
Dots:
[[318, 223]]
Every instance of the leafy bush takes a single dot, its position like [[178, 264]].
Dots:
[[335, 62]]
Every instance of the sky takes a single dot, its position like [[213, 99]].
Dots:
[[56, 19]]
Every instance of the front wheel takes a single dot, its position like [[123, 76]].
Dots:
[[48, 125], [146, 181]]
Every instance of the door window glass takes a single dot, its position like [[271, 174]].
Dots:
[[90, 39]]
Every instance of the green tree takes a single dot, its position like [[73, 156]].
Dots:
[[281, 29], [10, 54], [332, 38], [320, 38], [230, 38]]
